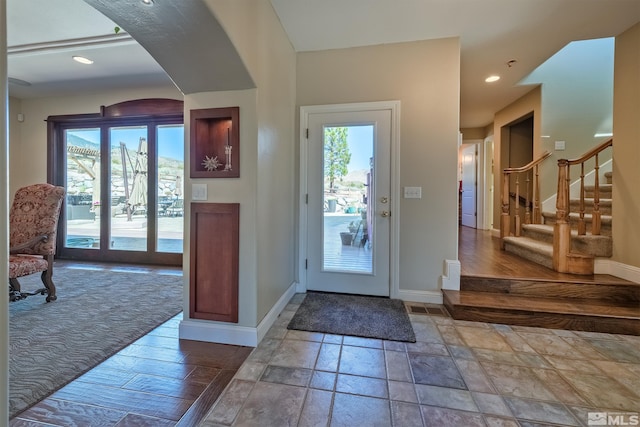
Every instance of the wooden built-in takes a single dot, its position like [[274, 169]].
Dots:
[[214, 258], [215, 134]]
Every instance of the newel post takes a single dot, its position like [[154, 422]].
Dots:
[[504, 216], [562, 228]]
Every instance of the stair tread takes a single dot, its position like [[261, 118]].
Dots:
[[589, 201], [548, 229], [604, 187], [596, 279], [604, 218], [569, 306]]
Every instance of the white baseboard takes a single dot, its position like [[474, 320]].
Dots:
[[429, 297], [451, 277], [268, 320], [618, 269], [226, 333], [222, 333]]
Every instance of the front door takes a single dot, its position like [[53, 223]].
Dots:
[[348, 202]]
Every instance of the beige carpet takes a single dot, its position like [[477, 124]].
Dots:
[[97, 314]]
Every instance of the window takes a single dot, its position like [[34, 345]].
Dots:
[[123, 170]]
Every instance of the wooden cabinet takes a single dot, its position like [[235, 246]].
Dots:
[[213, 277]]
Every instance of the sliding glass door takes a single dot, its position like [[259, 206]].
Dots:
[[124, 183]]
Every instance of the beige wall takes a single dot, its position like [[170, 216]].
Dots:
[[28, 145], [626, 150], [233, 190], [255, 31], [424, 77], [530, 103]]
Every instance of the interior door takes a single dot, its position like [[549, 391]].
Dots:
[[348, 207], [469, 186]]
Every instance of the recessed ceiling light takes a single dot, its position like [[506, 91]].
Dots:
[[82, 60], [492, 79], [147, 2]]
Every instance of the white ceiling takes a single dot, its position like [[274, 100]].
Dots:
[[43, 34]]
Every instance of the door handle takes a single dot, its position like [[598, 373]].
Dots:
[[385, 214]]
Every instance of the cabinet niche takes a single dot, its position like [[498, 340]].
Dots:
[[215, 142]]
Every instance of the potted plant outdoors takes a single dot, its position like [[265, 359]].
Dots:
[[347, 237]]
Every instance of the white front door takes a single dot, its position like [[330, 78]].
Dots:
[[348, 202]]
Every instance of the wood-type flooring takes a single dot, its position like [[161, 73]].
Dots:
[[159, 380], [500, 287]]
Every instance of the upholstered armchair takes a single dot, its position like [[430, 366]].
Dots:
[[33, 223]]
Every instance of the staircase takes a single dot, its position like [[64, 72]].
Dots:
[[536, 241], [569, 295], [607, 305]]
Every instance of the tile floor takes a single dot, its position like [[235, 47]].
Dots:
[[458, 373]]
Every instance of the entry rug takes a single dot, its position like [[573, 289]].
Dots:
[[355, 315]]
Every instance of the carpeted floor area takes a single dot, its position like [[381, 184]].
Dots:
[[97, 314], [355, 315]]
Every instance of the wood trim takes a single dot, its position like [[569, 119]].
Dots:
[[144, 107], [586, 156], [214, 261]]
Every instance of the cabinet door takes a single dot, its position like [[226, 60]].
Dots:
[[213, 277]]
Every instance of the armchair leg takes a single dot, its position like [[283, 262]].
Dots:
[[49, 285], [14, 290]]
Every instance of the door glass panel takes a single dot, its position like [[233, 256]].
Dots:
[[348, 175], [170, 188], [83, 188], [129, 188]]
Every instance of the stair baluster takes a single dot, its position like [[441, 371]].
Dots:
[[563, 259], [531, 198]]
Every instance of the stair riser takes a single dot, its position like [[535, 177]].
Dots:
[[605, 227], [623, 294], [605, 208], [597, 248], [524, 252], [604, 194], [605, 190], [545, 320], [538, 235]]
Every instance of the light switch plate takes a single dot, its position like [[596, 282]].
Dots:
[[413, 192], [560, 145], [198, 191]]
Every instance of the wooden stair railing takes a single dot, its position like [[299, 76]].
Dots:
[[563, 260], [532, 210]]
